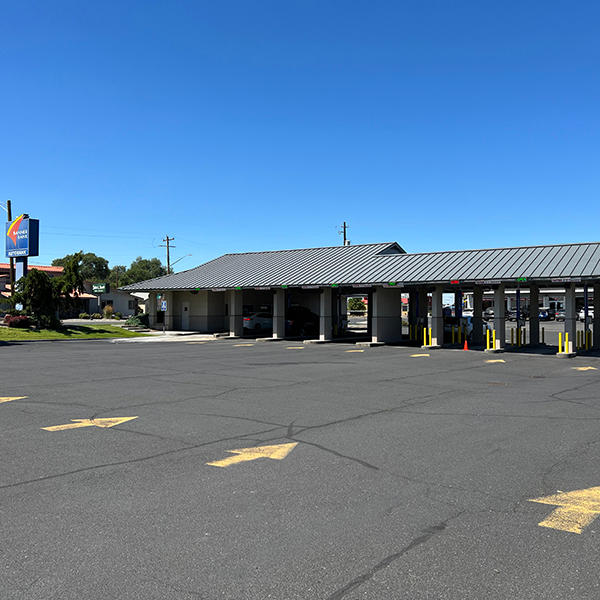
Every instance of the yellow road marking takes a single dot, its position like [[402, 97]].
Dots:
[[585, 368], [11, 398], [577, 509], [354, 350], [419, 355], [240, 345], [277, 452], [108, 422], [496, 360], [295, 348]]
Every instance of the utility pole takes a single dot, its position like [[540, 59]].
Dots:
[[168, 241], [343, 231], [11, 268]]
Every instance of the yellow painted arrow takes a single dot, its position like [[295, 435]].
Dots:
[[277, 452], [11, 398], [577, 509], [108, 422]]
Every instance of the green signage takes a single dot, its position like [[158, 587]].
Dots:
[[522, 279], [99, 288]]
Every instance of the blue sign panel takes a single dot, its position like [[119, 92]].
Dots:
[[163, 306], [22, 237]]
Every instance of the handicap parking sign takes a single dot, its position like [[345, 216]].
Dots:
[[163, 306]]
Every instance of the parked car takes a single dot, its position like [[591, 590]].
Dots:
[[560, 315], [511, 315], [581, 315], [544, 315], [488, 314], [301, 321], [258, 321]]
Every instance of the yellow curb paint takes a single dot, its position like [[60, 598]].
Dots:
[[577, 509], [277, 452], [585, 368], [419, 355], [354, 350], [11, 398], [496, 360], [77, 423]]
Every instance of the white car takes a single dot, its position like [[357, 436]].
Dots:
[[581, 315], [258, 321]]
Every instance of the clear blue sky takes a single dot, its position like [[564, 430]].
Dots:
[[238, 126]]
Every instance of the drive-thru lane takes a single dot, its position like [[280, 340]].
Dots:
[[159, 471]]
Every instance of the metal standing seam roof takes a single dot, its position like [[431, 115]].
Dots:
[[370, 264]]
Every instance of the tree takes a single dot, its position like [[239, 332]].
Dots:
[[117, 276], [92, 267], [39, 295], [356, 304], [142, 269], [70, 284]]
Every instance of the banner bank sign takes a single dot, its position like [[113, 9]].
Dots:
[[22, 237]]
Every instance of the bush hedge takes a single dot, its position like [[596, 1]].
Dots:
[[96, 316], [21, 321], [84, 315]]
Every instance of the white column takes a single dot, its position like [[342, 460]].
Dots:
[[499, 317], [596, 305], [437, 317], [534, 315], [168, 296], [570, 317], [477, 337], [387, 315], [279, 314], [325, 320], [236, 323], [150, 308]]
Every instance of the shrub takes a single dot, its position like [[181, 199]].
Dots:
[[21, 321], [84, 315], [357, 305], [118, 315], [138, 320], [108, 311], [96, 316]]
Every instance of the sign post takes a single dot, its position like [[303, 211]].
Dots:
[[163, 309], [22, 241], [99, 289]]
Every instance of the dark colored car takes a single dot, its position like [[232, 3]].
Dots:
[[301, 321], [544, 315], [511, 315]]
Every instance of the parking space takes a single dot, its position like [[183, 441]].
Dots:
[[296, 471]]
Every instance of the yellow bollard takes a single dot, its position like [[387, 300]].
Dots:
[[494, 337], [567, 342], [487, 340], [430, 337], [560, 342], [424, 336]]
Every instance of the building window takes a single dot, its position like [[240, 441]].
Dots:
[[131, 304]]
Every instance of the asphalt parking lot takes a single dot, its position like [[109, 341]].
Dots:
[[393, 472]]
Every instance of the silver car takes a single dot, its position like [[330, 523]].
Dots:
[[258, 321]]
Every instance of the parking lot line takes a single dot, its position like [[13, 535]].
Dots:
[[585, 368], [11, 398], [295, 348], [354, 350], [496, 360], [419, 355], [242, 345]]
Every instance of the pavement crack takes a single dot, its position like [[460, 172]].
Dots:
[[364, 463], [425, 536]]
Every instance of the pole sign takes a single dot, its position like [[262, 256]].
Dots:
[[163, 306], [99, 288], [22, 237]]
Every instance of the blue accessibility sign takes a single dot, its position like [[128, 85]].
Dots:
[[163, 306]]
